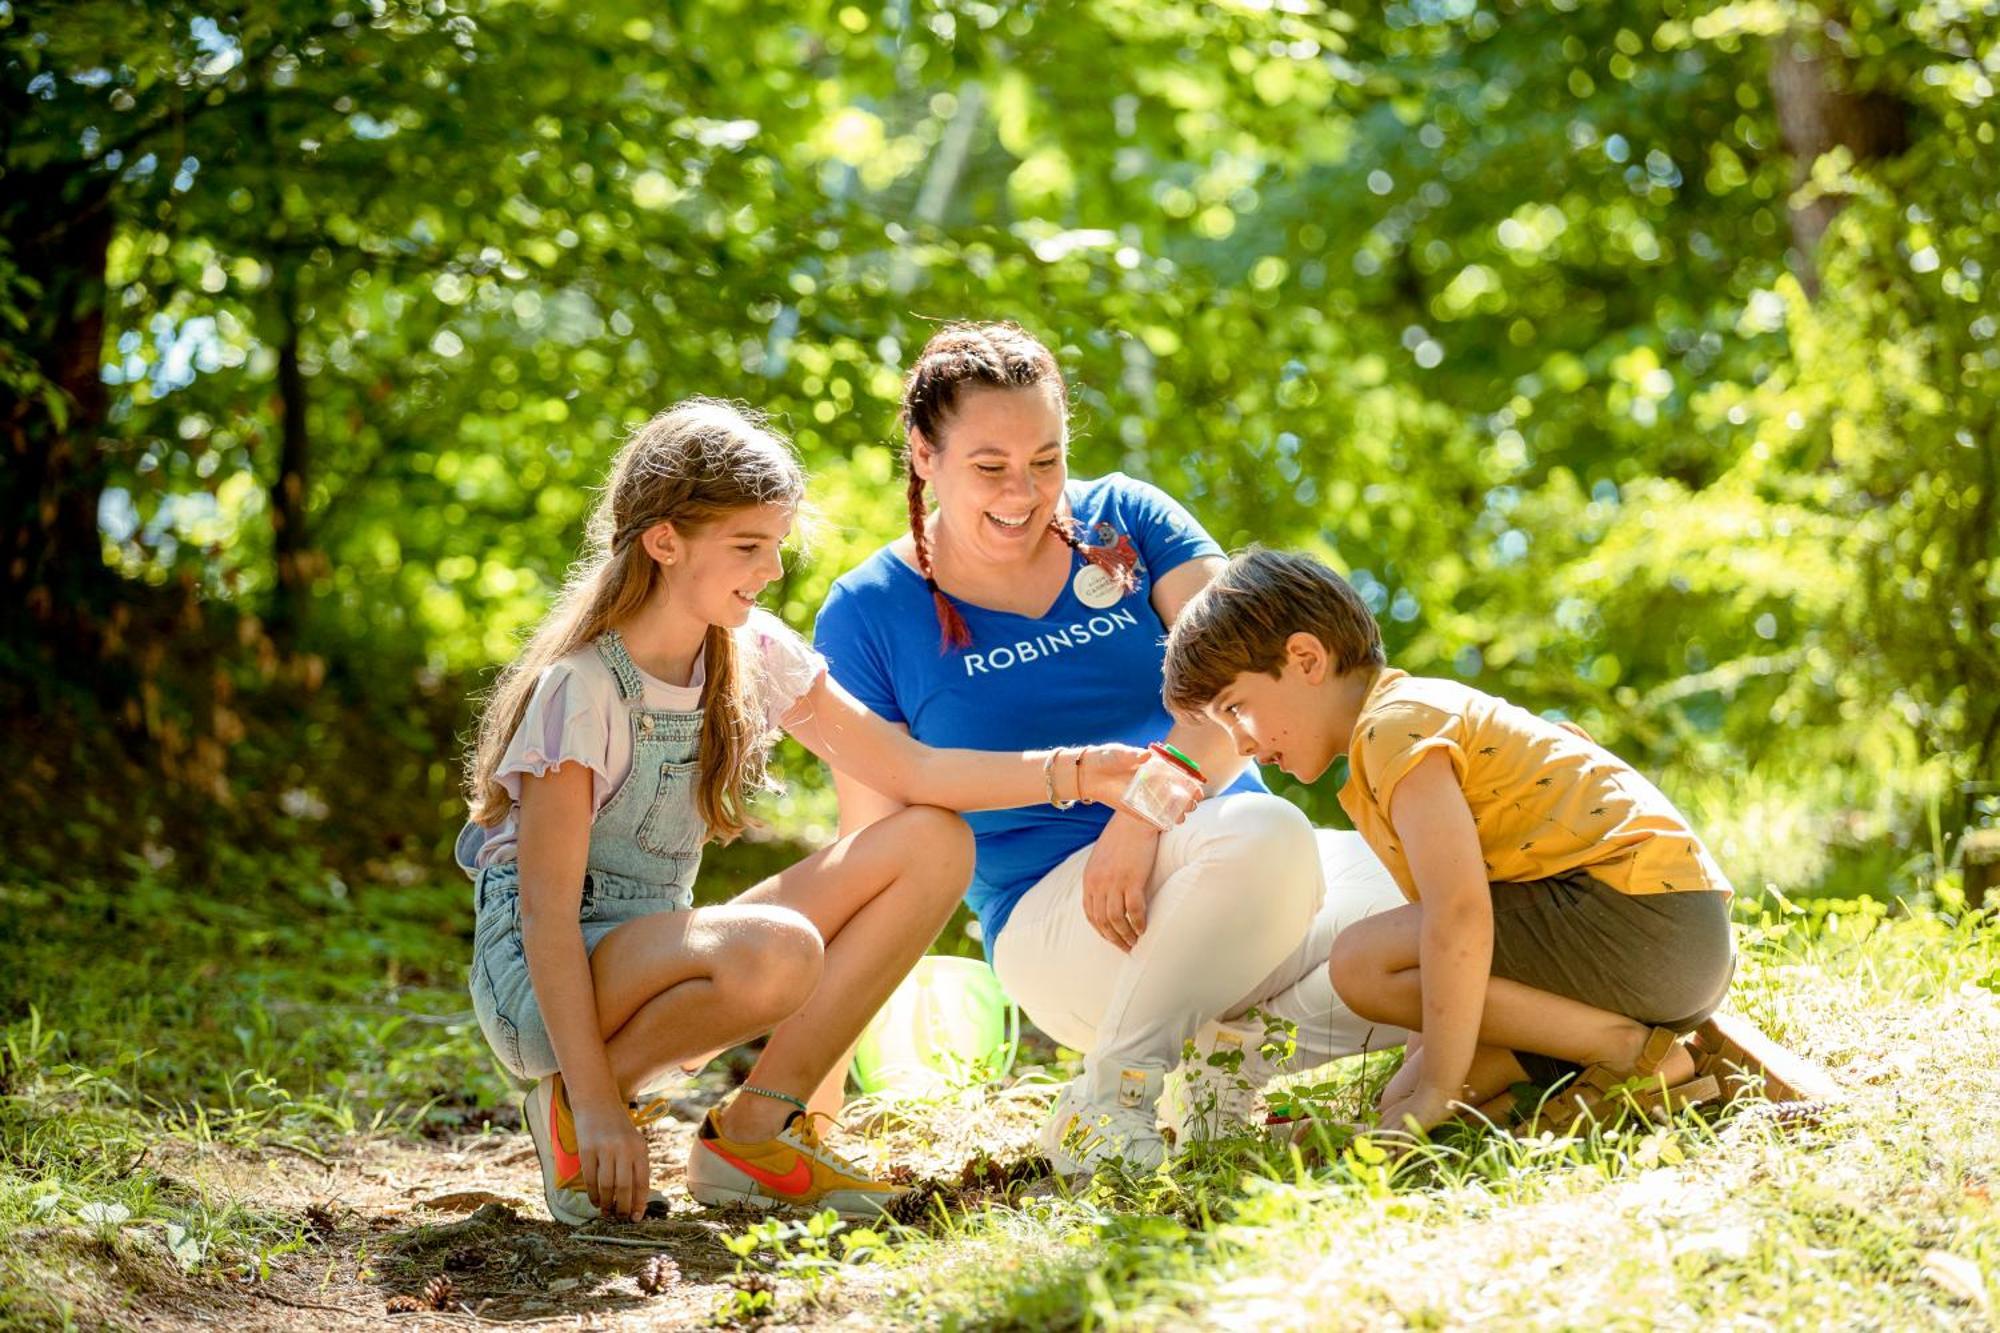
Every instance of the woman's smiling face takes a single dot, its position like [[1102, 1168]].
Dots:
[[999, 472]]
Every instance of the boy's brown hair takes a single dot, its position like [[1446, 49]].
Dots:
[[1240, 621]]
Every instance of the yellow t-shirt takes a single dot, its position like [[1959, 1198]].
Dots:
[[1546, 801]]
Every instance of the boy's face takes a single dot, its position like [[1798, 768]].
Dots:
[[1293, 719]]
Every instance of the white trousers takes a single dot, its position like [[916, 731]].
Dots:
[[1243, 904]]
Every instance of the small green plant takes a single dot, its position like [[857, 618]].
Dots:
[[808, 1250]]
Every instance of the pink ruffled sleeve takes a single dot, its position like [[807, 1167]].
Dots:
[[568, 720], [787, 668]]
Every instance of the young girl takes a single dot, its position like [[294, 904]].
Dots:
[[627, 735]]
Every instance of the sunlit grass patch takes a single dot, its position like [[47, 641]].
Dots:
[[161, 1151], [1877, 1212]]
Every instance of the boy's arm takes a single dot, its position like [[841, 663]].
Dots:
[[1455, 949]]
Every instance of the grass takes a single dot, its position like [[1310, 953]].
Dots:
[[140, 1018], [179, 1077], [1880, 1214]]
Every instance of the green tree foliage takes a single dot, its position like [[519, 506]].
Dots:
[[1519, 311]]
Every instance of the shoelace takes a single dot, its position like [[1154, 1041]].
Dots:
[[643, 1116], [806, 1129]]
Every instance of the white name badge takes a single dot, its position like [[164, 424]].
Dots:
[[1096, 589]]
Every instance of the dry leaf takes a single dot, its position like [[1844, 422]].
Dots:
[[1957, 1276]]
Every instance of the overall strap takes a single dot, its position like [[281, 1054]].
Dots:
[[611, 647]]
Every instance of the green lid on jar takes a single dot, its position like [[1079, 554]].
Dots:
[[1172, 754]]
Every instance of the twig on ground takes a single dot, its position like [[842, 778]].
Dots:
[[310, 1154], [298, 1305], [632, 1242]]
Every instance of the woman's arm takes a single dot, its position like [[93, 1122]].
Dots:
[[853, 741], [1455, 949], [554, 845]]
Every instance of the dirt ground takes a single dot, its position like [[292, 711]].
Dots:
[[386, 1218]]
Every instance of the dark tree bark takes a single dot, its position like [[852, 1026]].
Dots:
[[288, 488], [52, 568], [1818, 111]]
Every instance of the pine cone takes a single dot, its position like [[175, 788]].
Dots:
[[438, 1292], [1793, 1115], [404, 1305], [657, 1274], [323, 1218], [982, 1172], [752, 1283]]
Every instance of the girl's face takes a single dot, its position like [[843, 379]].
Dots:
[[715, 572], [999, 472]]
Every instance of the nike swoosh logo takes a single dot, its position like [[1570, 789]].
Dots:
[[794, 1182], [569, 1163]]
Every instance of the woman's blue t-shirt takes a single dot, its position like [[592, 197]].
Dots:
[[1085, 672]]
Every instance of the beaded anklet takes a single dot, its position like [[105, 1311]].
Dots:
[[777, 1097]]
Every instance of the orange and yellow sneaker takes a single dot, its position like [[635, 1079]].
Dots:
[[793, 1170], [545, 1110], [552, 1126]]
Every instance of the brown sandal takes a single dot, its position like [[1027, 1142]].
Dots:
[[1748, 1063], [1602, 1092]]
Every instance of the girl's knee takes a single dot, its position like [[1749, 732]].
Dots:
[[937, 845], [937, 837], [769, 960]]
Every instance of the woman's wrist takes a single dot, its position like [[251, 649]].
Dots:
[[1049, 780]]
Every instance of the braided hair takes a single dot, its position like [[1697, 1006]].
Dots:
[[999, 355]]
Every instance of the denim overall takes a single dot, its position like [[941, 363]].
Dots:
[[645, 847]]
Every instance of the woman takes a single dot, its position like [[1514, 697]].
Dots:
[[1028, 609]]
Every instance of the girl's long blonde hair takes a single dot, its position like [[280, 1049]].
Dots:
[[690, 465]]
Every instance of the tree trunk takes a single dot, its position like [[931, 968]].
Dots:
[[1811, 86], [52, 569], [288, 488]]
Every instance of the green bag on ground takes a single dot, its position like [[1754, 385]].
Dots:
[[948, 1024]]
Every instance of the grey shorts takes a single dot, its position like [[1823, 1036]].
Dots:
[[1665, 959], [503, 998]]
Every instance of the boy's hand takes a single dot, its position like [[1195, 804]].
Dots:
[[1114, 880], [617, 1170], [1418, 1111]]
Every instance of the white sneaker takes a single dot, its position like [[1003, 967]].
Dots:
[[1080, 1138], [1218, 1092]]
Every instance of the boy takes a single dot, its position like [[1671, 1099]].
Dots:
[[1561, 913]]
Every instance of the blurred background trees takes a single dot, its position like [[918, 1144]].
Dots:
[[1636, 360]]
